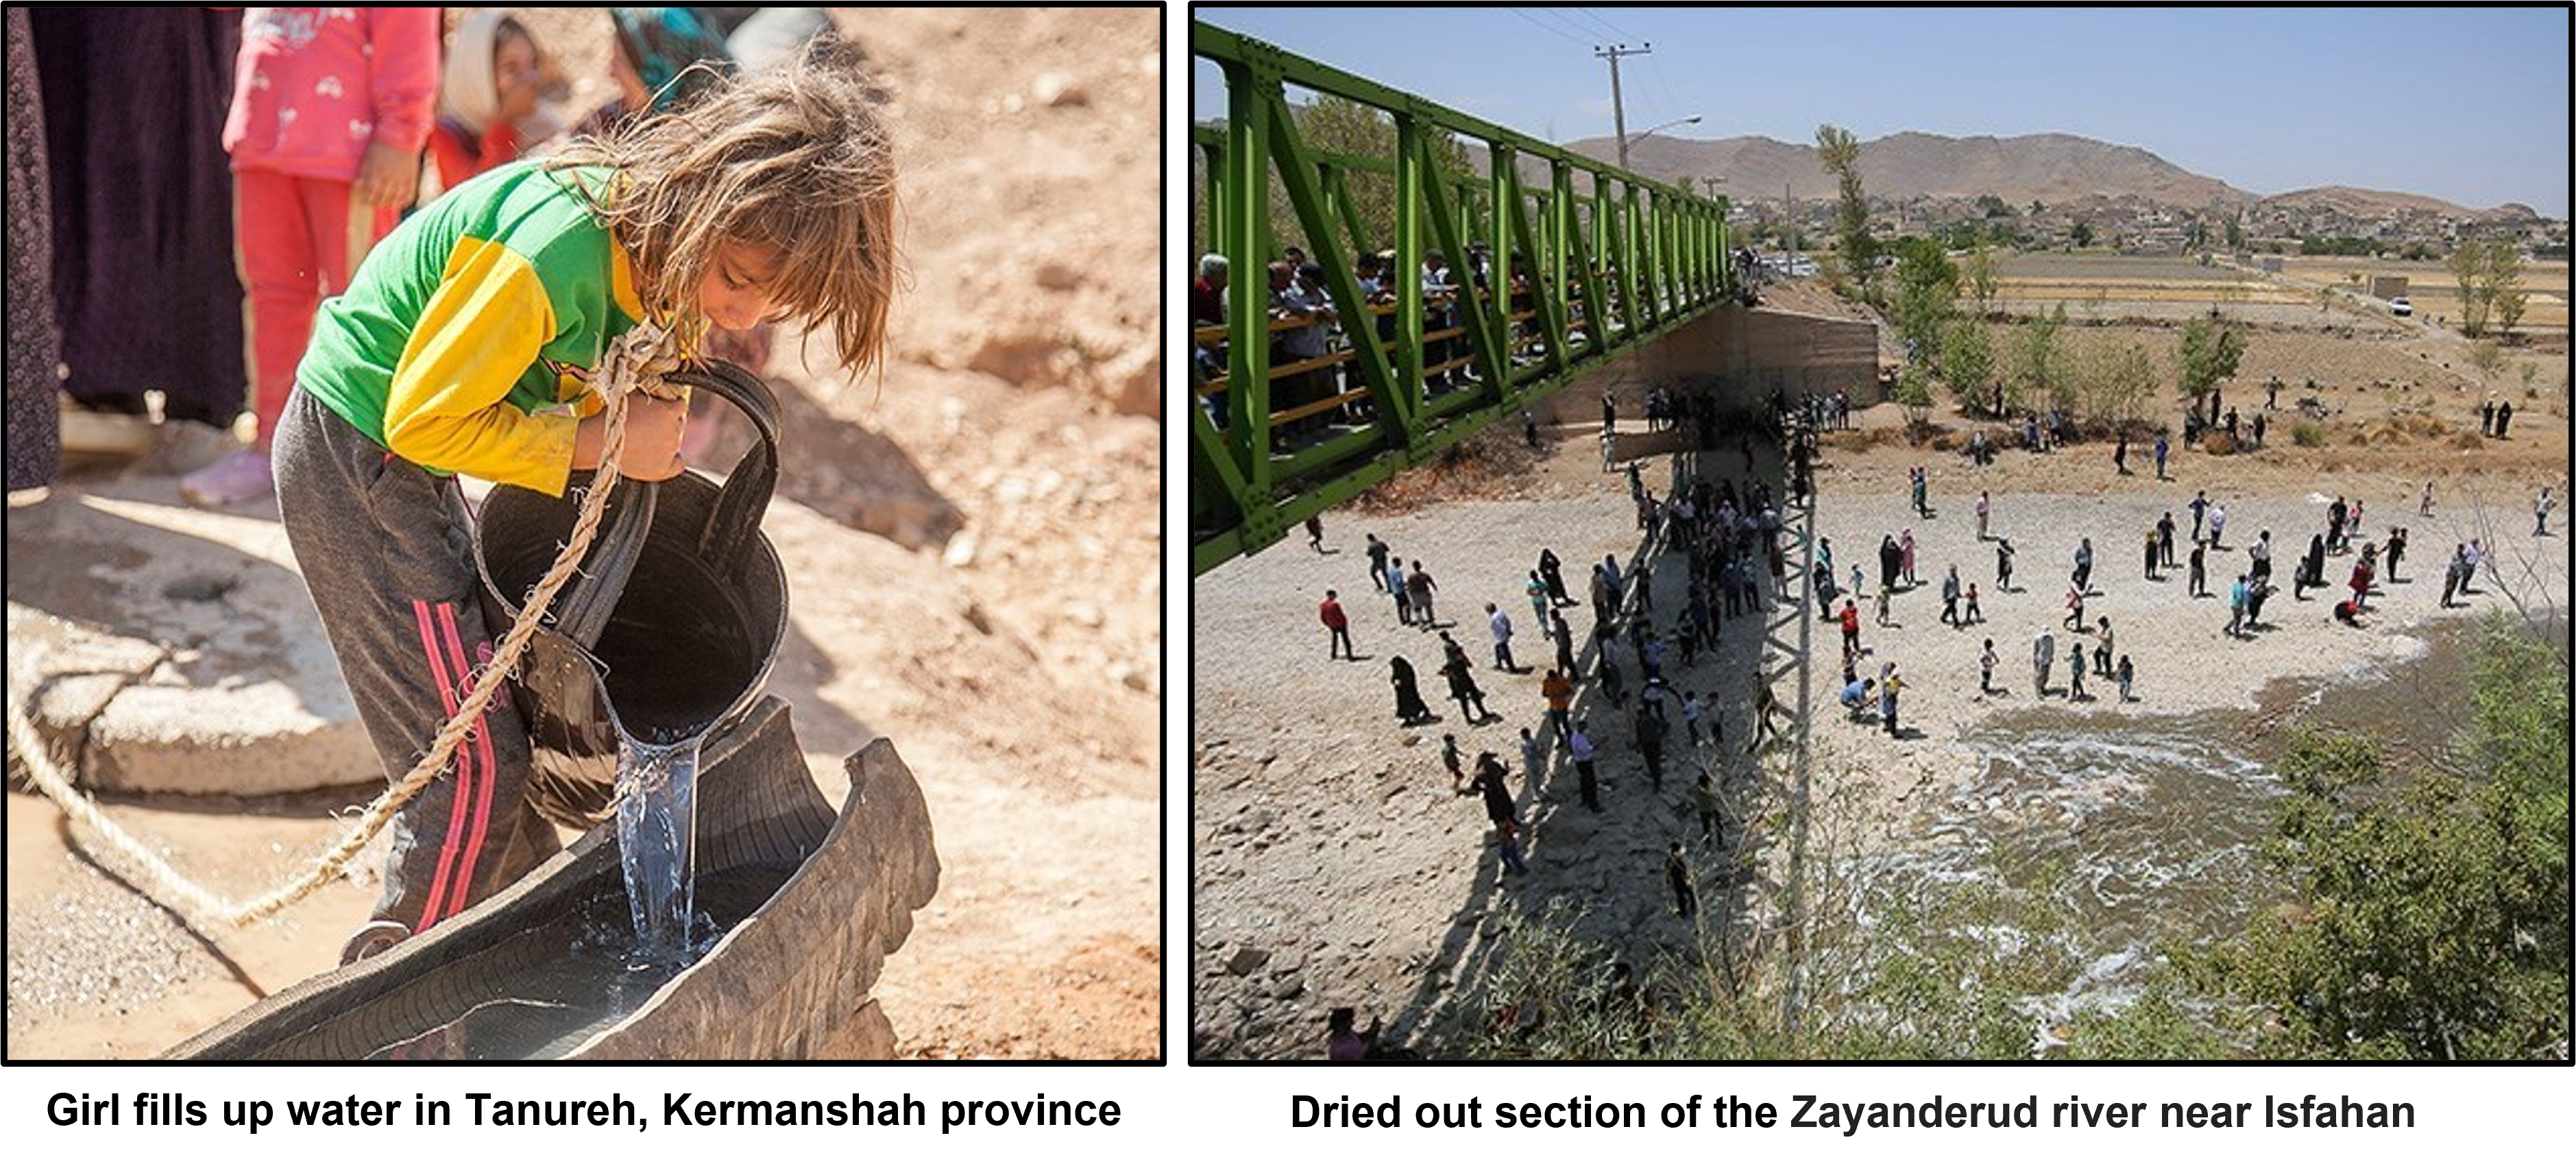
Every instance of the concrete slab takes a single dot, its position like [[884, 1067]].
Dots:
[[172, 649]]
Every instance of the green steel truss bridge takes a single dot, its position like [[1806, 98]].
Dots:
[[1592, 260]]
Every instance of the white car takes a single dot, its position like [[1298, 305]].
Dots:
[[2398, 306]]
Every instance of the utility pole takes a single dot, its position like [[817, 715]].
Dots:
[[1618, 107]]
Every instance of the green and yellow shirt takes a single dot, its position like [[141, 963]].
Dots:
[[469, 325]]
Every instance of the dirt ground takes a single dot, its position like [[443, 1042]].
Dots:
[[974, 561], [1335, 866]]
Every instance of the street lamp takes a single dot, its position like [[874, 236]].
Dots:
[[1693, 119]]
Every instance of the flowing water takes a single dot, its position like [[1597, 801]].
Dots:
[[2135, 835], [657, 829]]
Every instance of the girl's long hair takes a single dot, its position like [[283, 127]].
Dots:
[[795, 157]]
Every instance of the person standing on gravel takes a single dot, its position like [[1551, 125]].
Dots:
[[1377, 552], [2074, 671], [1579, 749], [1851, 627], [2151, 554], [1950, 598], [2162, 447], [1501, 626], [2003, 565], [1558, 688], [2199, 569], [2236, 609], [2540, 511], [1533, 758], [1553, 571], [1495, 784], [1985, 507], [2043, 655], [1765, 704], [1409, 707], [2425, 507], [1403, 599], [1419, 586], [1462, 687], [2165, 539], [1974, 614], [1339, 624], [2084, 566], [2200, 511], [1986, 668]]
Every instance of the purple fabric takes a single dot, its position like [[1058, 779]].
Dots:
[[144, 283]]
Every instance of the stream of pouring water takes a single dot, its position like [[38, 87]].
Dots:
[[657, 826]]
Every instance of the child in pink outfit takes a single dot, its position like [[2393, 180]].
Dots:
[[330, 109]]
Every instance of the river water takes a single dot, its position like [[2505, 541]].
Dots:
[[2144, 832]]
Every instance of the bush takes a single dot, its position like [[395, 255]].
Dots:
[[2308, 434]]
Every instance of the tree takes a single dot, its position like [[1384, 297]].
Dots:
[[2467, 265], [1840, 153], [2038, 362], [2431, 912], [2081, 234], [2210, 348], [1927, 289], [1979, 273], [1968, 363], [2119, 379], [2236, 232], [1914, 395], [2504, 285]]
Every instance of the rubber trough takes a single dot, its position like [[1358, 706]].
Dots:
[[809, 903]]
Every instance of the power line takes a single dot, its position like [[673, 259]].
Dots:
[[1672, 106], [1596, 29], [1575, 32], [1613, 31], [1558, 33]]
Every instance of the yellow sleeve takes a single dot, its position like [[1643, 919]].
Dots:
[[574, 391], [479, 332]]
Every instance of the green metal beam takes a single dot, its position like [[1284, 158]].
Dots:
[[1663, 243]]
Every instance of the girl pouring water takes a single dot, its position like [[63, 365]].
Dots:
[[462, 347]]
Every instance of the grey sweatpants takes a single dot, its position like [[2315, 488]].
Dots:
[[386, 549]]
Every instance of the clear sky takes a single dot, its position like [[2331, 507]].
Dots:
[[2464, 104]]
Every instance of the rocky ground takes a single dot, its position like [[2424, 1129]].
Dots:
[[1334, 867]]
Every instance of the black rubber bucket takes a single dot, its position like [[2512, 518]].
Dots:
[[669, 631]]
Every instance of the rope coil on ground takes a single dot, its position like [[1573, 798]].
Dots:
[[634, 361]]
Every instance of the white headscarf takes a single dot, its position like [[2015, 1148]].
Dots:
[[467, 90]]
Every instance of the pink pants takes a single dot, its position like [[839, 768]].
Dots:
[[300, 241]]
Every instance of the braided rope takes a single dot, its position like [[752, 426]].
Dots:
[[634, 361]]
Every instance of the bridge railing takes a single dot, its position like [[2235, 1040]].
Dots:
[[1588, 259]]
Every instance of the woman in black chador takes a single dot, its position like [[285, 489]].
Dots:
[[1409, 708]]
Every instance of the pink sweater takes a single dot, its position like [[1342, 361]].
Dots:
[[316, 86]]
